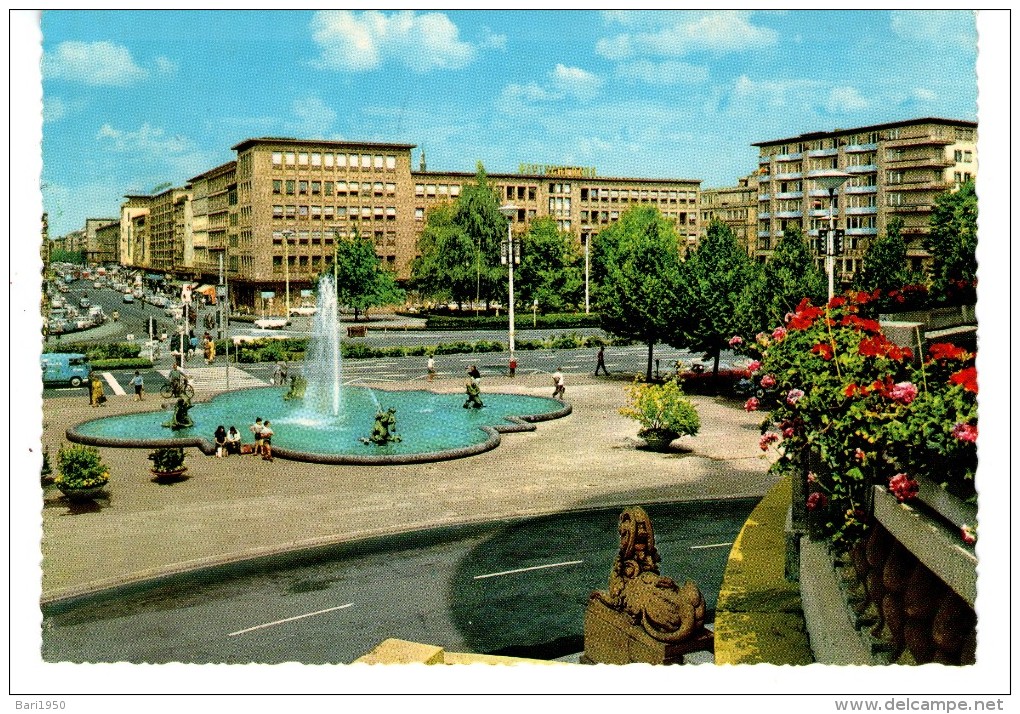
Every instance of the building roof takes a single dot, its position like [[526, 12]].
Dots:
[[544, 177], [872, 127], [247, 143], [221, 169]]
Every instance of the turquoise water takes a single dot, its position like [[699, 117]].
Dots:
[[425, 421]]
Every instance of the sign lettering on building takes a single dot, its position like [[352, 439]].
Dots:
[[557, 171]]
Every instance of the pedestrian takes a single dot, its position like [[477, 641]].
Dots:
[[193, 341], [97, 396], [267, 442], [432, 368], [513, 366], [601, 362], [220, 438], [473, 371], [139, 384], [559, 383], [256, 430], [233, 441]]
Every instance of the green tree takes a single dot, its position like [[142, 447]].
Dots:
[[636, 265], [77, 257], [952, 239], [885, 262], [446, 266], [549, 271], [789, 276], [718, 275], [361, 279], [476, 212]]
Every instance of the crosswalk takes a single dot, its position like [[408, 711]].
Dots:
[[216, 379]]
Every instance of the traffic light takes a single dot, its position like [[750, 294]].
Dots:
[[821, 243], [837, 241]]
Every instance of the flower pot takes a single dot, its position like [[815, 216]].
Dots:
[[953, 509], [82, 494], [658, 439], [169, 476]]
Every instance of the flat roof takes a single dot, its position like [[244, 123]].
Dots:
[[887, 125], [222, 168], [317, 142], [544, 177]]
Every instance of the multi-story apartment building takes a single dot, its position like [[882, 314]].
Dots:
[[294, 196], [108, 237], [169, 230], [736, 206], [896, 171], [134, 235], [210, 219], [97, 252]]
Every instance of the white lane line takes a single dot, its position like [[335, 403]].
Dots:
[[524, 570], [114, 384], [712, 545], [291, 619]]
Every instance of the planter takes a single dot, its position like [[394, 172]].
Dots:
[[658, 439], [955, 510], [79, 495], [169, 476]]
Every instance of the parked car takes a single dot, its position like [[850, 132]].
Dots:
[[128, 297], [65, 368], [271, 323], [85, 302], [303, 309]]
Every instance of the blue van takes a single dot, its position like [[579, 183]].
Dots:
[[65, 368]]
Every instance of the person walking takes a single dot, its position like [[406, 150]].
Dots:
[[559, 383], [139, 384], [431, 368], [513, 367], [97, 395], [601, 361]]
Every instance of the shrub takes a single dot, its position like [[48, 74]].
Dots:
[[662, 407], [135, 363], [80, 467], [167, 459]]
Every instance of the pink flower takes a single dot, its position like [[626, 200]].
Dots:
[[859, 454], [751, 405], [779, 333], [736, 340], [793, 396], [816, 500], [788, 432], [968, 534], [768, 381], [903, 392], [811, 478], [753, 366], [766, 439], [965, 432], [903, 487]]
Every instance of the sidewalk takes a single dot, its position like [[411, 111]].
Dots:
[[241, 506]]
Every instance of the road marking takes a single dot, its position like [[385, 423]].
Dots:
[[291, 619], [114, 384], [712, 545], [524, 570]]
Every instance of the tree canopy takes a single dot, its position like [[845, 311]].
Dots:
[[788, 276], [952, 239], [549, 270], [885, 262], [636, 266], [361, 280]]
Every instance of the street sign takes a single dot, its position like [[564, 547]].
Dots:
[[268, 294], [221, 292]]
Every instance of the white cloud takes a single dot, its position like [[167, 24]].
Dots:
[[165, 65], [679, 34], [491, 39], [92, 63], [361, 41], [151, 145], [313, 118], [576, 82], [845, 99], [924, 95], [662, 73], [54, 109], [958, 27]]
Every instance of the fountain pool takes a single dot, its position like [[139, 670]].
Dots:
[[433, 426]]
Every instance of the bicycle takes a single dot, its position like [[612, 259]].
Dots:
[[172, 391]]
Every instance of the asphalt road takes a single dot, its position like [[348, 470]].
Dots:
[[517, 588]]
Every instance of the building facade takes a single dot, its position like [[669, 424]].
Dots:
[[108, 236], [134, 214], [896, 171], [98, 252], [736, 206]]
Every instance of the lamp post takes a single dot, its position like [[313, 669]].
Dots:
[[510, 255], [587, 240], [286, 271], [534, 313], [830, 179]]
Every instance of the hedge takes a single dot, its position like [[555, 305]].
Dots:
[[95, 352], [562, 320], [126, 363]]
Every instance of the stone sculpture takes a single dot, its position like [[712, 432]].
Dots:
[[180, 419], [383, 431]]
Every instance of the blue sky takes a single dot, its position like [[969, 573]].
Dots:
[[136, 99]]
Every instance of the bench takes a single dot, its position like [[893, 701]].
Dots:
[[357, 330]]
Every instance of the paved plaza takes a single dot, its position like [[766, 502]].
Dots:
[[242, 506]]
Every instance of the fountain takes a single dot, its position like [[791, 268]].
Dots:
[[319, 419]]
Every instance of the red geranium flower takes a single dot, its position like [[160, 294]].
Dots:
[[965, 432], [751, 405], [967, 377], [824, 349], [903, 487], [816, 500], [946, 350], [837, 302]]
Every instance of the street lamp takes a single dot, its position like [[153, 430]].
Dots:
[[287, 235], [830, 179], [587, 240], [509, 255]]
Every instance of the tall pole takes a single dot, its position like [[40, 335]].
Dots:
[[830, 241], [286, 272], [510, 257], [586, 273], [336, 238]]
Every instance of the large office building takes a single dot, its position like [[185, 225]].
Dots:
[[736, 206], [896, 170]]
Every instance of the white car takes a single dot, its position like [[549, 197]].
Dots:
[[271, 323], [303, 310]]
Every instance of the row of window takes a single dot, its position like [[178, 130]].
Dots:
[[306, 237], [963, 156], [612, 216], [433, 189], [613, 195], [327, 213], [386, 162], [334, 188]]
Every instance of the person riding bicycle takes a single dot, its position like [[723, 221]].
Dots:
[[178, 381]]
